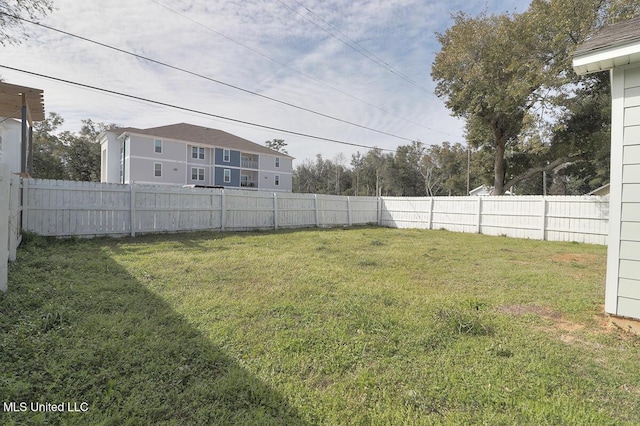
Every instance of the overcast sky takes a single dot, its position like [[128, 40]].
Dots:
[[300, 52]]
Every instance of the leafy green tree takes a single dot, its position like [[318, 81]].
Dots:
[[11, 12], [377, 174], [449, 169], [277, 145], [82, 154], [408, 166], [313, 176], [586, 124], [82, 157], [478, 72], [67, 155], [503, 72], [48, 149]]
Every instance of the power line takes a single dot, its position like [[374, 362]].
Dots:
[[355, 46], [208, 114], [208, 78], [282, 64]]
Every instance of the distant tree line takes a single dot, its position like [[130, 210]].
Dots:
[[447, 169], [67, 155]]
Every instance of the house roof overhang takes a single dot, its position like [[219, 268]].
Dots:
[[13, 98], [613, 46], [607, 58]]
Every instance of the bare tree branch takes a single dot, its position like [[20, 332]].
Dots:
[[551, 166]]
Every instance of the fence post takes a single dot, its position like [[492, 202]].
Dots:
[[25, 195], [349, 220], [275, 211], [14, 217], [479, 218], [431, 204], [379, 211], [315, 205], [132, 210], [543, 228], [223, 214], [5, 176]]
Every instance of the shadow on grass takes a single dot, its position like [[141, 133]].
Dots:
[[192, 241], [70, 336]]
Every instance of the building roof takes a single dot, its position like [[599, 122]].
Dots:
[[11, 101], [612, 35], [203, 136], [614, 45]]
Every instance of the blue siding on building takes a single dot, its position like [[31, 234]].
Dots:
[[219, 177], [235, 158]]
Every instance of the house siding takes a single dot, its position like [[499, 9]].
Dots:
[[11, 134], [269, 171], [110, 163], [628, 246], [234, 158], [267, 181], [219, 177]]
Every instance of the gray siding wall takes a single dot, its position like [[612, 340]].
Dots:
[[269, 171], [629, 245], [268, 163], [267, 181], [142, 160]]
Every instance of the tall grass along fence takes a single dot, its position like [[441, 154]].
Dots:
[[9, 220], [63, 208]]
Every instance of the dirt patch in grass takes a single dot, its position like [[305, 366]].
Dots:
[[559, 323], [604, 323], [575, 258], [520, 310]]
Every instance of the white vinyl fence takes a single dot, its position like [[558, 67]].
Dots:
[[63, 208], [557, 218], [9, 220]]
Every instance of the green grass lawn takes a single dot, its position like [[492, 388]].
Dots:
[[366, 326]]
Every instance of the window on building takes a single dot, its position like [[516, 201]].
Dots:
[[277, 161], [227, 175], [197, 152], [158, 146], [197, 173], [277, 180], [226, 155], [157, 169]]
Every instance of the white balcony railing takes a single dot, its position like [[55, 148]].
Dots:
[[248, 164], [249, 183]]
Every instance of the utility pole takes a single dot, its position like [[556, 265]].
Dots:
[[468, 168]]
